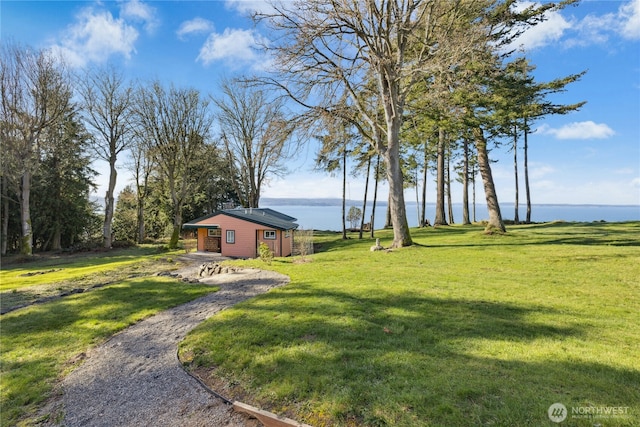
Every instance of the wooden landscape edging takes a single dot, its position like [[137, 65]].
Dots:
[[267, 418]]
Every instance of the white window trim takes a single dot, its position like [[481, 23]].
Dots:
[[270, 236], [231, 236]]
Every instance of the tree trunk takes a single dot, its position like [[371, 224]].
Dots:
[[423, 217], [5, 215], [254, 194], [375, 197], [25, 214], [387, 220], [516, 218], [56, 241], [344, 192], [419, 213], [495, 218], [56, 191], [473, 184], [449, 203], [397, 207], [364, 204], [250, 165], [440, 213], [465, 183], [141, 227], [177, 226], [109, 203], [526, 172]]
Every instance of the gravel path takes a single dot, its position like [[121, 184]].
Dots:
[[135, 378]]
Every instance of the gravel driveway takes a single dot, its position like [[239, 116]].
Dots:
[[135, 378]]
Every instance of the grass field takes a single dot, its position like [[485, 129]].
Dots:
[[461, 329], [41, 343]]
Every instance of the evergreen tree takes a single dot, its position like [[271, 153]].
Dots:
[[35, 93], [62, 211], [125, 218]]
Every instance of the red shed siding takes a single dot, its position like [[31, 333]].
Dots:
[[282, 245], [287, 243], [247, 237]]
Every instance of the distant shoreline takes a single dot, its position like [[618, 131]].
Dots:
[[293, 201], [326, 214], [285, 201]]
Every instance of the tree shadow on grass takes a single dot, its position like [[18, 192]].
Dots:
[[587, 233], [408, 359], [561, 233], [37, 339]]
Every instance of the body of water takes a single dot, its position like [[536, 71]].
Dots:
[[329, 216]]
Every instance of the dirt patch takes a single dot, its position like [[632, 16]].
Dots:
[[228, 390], [180, 266]]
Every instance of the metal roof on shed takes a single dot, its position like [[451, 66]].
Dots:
[[263, 216]]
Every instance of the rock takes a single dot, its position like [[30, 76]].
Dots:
[[211, 268], [377, 246]]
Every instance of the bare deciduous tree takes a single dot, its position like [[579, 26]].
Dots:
[[176, 123], [141, 165], [107, 109], [256, 134], [36, 94]]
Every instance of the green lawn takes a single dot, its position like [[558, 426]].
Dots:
[[41, 343], [50, 268], [461, 329], [47, 276]]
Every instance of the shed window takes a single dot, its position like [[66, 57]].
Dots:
[[270, 234], [231, 236], [214, 232]]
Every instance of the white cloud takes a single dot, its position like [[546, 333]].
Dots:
[[598, 29], [543, 34], [624, 171], [635, 183], [592, 29], [137, 11], [194, 26], [502, 171], [233, 44], [579, 130], [249, 6], [629, 14], [537, 171], [604, 191], [323, 186], [69, 56], [94, 37], [544, 186]]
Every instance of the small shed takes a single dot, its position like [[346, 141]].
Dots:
[[239, 232]]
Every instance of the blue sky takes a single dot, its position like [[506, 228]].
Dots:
[[586, 157]]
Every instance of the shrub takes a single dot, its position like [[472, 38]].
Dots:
[[265, 252]]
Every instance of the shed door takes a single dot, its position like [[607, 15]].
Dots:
[[212, 241]]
